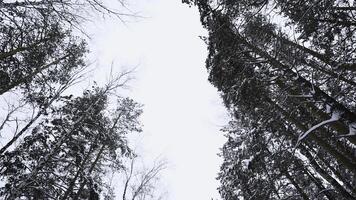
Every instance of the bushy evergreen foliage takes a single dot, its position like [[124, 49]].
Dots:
[[286, 72]]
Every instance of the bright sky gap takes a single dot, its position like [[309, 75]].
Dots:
[[183, 112]]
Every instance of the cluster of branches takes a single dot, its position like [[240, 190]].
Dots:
[[290, 87], [140, 182], [55, 145]]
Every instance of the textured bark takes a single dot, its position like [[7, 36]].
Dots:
[[341, 190]]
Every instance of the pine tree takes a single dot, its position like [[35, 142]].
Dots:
[[293, 103], [66, 155]]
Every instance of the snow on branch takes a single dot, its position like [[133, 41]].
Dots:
[[336, 115], [246, 162]]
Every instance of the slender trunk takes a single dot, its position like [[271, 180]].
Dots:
[[351, 8], [8, 116], [320, 115], [322, 190], [318, 55], [342, 191], [128, 180], [20, 133], [338, 175], [330, 195], [76, 197], [338, 126], [80, 170], [348, 66], [304, 168], [317, 181], [319, 95]]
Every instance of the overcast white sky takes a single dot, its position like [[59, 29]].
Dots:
[[182, 111]]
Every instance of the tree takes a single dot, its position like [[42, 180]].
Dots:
[[140, 184], [40, 56], [39, 51], [37, 44], [44, 106], [65, 155], [285, 97], [67, 144]]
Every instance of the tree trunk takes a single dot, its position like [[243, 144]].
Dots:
[[80, 170], [76, 197], [338, 175], [342, 191], [128, 180]]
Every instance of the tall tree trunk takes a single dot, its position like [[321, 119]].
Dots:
[[338, 126], [342, 191], [76, 197], [338, 175], [128, 179], [320, 115], [322, 190], [80, 170], [320, 56]]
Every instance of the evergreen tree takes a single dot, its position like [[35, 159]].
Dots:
[[65, 156], [74, 141], [293, 103], [40, 57]]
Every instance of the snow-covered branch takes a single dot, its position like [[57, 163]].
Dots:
[[336, 115]]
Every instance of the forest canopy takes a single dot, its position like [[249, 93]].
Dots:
[[55, 144], [286, 72]]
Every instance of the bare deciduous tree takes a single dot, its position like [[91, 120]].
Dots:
[[140, 184]]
